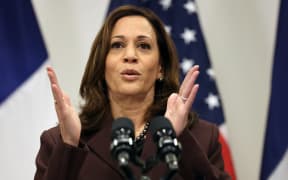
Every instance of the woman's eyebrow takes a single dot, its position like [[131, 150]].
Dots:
[[143, 37], [118, 36], [140, 37]]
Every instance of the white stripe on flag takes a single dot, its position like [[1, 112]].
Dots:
[[24, 115], [224, 132]]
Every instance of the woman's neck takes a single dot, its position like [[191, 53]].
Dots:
[[132, 107]]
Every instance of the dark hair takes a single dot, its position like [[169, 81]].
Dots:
[[93, 87]]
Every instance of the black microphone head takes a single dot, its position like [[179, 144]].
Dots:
[[158, 123], [122, 140], [168, 147], [122, 122]]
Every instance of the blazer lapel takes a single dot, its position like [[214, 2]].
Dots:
[[100, 144]]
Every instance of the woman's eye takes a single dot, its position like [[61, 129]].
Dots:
[[144, 46], [117, 45]]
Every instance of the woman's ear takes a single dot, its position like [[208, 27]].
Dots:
[[160, 74]]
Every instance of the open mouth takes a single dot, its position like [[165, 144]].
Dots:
[[130, 74]]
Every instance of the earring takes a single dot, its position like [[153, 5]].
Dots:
[[161, 78]]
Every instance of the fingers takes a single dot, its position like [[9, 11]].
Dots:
[[191, 97], [58, 98], [52, 76], [56, 91], [188, 82]]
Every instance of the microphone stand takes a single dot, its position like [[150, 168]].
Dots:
[[123, 160], [154, 160], [145, 166], [172, 163], [127, 172]]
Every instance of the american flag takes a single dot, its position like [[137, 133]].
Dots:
[[181, 22]]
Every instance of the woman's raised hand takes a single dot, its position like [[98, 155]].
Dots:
[[179, 104], [69, 122]]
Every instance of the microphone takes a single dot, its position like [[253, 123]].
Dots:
[[122, 145], [168, 147]]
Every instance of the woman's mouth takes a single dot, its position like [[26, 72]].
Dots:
[[130, 74]]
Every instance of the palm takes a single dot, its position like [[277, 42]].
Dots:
[[69, 122], [179, 104]]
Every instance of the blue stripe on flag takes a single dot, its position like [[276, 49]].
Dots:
[[276, 143], [22, 49]]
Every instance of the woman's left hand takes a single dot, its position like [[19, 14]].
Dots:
[[179, 104]]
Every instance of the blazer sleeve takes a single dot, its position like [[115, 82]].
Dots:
[[202, 152], [215, 154], [57, 160]]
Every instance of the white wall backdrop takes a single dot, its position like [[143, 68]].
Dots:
[[240, 37]]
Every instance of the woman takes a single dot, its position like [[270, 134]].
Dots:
[[132, 72]]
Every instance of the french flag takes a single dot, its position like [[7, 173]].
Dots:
[[26, 103], [275, 155]]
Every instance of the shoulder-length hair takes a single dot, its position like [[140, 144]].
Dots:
[[93, 87]]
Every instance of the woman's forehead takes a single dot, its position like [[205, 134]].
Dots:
[[137, 26]]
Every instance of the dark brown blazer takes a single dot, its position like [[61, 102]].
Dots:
[[200, 158]]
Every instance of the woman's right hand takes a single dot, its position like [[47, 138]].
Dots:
[[69, 122]]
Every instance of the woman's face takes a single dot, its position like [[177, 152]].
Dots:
[[132, 63]]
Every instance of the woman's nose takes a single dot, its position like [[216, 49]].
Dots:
[[130, 55]]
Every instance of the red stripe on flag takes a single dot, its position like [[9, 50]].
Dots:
[[228, 165]]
